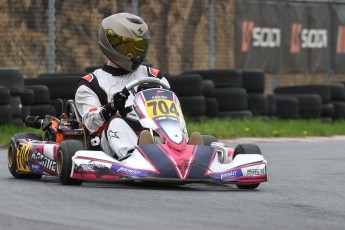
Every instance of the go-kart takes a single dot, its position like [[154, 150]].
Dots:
[[164, 153]]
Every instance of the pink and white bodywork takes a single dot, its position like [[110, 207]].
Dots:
[[172, 159]]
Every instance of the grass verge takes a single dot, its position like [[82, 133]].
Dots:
[[233, 128], [7, 131], [257, 127]]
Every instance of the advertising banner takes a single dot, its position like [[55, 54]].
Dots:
[[338, 41], [282, 36], [258, 36]]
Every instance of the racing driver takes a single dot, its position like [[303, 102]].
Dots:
[[124, 40]]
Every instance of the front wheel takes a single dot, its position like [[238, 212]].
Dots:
[[66, 151], [12, 156], [248, 186], [247, 149]]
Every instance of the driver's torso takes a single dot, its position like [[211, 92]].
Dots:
[[89, 101]]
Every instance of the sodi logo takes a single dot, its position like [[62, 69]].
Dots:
[[269, 37]]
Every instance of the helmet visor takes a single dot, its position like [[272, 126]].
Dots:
[[130, 47]]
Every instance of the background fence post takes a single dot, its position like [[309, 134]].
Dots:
[[52, 36], [211, 22], [135, 7]]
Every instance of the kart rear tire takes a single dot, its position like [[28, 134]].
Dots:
[[66, 151], [208, 139], [12, 155], [247, 149]]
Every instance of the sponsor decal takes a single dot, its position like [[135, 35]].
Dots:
[[89, 167], [267, 37], [341, 40], [307, 38], [128, 171], [44, 161], [231, 174], [113, 134], [36, 168], [22, 154], [255, 172]]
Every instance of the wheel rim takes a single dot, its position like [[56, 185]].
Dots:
[[10, 156], [59, 163]]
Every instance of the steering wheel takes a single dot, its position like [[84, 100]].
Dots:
[[130, 87]]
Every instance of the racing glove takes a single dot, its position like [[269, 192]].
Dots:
[[120, 99], [117, 104]]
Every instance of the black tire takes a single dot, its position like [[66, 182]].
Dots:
[[211, 107], [243, 114], [193, 105], [310, 105], [60, 85], [4, 95], [231, 99], [66, 151], [248, 186], [327, 110], [258, 104], [208, 88], [272, 107], [16, 106], [287, 107], [12, 78], [324, 91], [12, 155], [5, 114], [253, 81], [339, 110], [42, 110], [41, 94], [18, 122], [337, 92], [26, 111], [186, 85], [27, 97], [220, 77], [208, 139], [247, 149]]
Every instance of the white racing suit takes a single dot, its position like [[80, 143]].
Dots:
[[97, 89]]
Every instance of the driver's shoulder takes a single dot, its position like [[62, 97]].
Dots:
[[147, 71]]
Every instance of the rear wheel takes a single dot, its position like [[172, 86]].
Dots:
[[12, 156], [247, 149], [208, 139], [66, 151]]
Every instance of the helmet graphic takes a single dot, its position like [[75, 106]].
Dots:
[[124, 40]]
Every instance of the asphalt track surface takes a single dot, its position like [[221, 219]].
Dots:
[[306, 190]]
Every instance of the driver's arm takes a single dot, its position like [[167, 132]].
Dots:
[[89, 107]]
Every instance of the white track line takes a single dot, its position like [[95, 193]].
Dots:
[[284, 139]]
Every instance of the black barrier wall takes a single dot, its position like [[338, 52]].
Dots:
[[287, 37]]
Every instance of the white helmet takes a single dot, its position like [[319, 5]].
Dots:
[[124, 40]]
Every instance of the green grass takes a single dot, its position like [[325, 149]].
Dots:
[[7, 131], [233, 128]]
